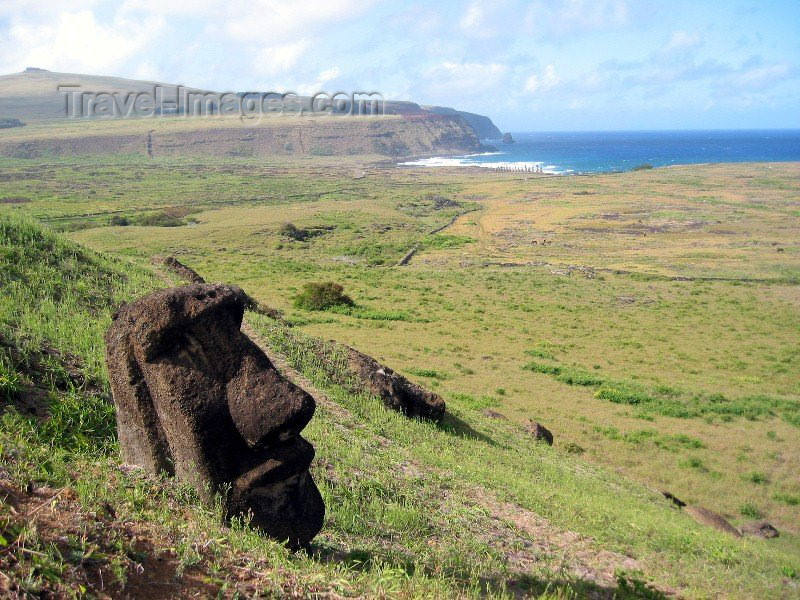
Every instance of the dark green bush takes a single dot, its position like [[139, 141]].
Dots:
[[431, 373], [291, 231], [118, 221], [788, 499], [748, 509], [538, 367], [622, 395], [643, 167], [7, 123], [321, 296], [160, 219], [322, 151], [575, 376]]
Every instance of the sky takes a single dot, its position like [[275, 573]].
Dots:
[[536, 65]]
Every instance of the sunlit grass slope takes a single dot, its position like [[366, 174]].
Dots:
[[414, 509]]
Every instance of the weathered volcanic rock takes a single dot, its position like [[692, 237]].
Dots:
[[712, 519], [196, 398], [396, 391], [674, 499], [760, 529], [539, 432], [493, 414]]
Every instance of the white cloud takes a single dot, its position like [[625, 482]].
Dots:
[[276, 60], [680, 41], [760, 77], [257, 20], [319, 85], [467, 78], [38, 8], [544, 82], [556, 18], [76, 41], [148, 71], [472, 19]]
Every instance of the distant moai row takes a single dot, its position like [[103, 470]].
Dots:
[[521, 169]]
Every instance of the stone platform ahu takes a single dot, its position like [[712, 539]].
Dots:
[[196, 398]]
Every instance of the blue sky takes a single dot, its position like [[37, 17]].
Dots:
[[530, 65]]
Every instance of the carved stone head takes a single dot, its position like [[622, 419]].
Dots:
[[196, 398]]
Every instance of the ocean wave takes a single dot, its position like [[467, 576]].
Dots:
[[494, 153], [437, 161], [466, 161]]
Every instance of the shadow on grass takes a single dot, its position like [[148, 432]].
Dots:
[[452, 425], [629, 586]]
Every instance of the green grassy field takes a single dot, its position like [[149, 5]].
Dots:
[[652, 326]]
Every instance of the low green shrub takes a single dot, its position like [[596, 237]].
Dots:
[[118, 221], [788, 499], [430, 373], [372, 314], [668, 401], [575, 376], [322, 151], [538, 367], [159, 219], [291, 231], [322, 296], [8, 123], [748, 509], [619, 394], [443, 241], [671, 442], [537, 353], [757, 477]]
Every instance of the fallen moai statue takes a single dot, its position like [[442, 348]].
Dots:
[[177, 267], [539, 432], [196, 398], [397, 392], [760, 529], [712, 519]]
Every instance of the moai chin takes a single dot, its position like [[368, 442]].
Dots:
[[196, 398]]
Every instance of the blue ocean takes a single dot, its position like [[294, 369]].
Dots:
[[565, 153]]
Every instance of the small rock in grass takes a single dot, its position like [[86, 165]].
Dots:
[[493, 414]]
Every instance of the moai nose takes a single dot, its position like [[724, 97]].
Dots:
[[265, 407]]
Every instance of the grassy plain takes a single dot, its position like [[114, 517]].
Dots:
[[648, 319]]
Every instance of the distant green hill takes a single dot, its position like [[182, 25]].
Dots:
[[33, 94]]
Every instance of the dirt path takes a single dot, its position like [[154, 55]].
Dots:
[[410, 254]]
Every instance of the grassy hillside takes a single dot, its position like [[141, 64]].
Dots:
[[471, 508], [33, 97]]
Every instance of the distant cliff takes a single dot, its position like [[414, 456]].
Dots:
[[484, 128], [394, 137], [483, 125], [33, 96]]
